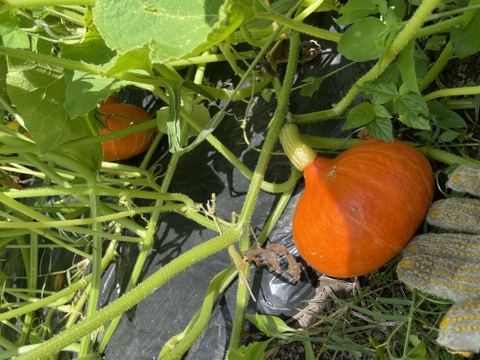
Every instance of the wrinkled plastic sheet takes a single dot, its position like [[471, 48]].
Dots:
[[144, 330]]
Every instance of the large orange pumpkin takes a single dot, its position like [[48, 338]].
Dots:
[[117, 116], [361, 208]]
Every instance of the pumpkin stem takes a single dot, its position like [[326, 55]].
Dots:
[[299, 153]]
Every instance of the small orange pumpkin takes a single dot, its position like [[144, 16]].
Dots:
[[117, 116], [361, 208]]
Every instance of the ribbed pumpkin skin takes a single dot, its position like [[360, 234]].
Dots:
[[117, 117], [361, 208]]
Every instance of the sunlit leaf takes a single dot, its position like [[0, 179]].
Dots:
[[138, 59], [255, 350], [269, 324], [11, 34], [170, 29], [84, 91], [38, 92], [91, 48]]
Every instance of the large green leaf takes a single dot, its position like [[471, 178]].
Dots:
[[38, 92], [355, 10], [170, 28], [360, 115], [84, 91], [412, 111], [138, 59], [445, 118], [381, 128], [364, 40], [10, 32], [380, 93], [91, 48], [465, 40], [406, 65]]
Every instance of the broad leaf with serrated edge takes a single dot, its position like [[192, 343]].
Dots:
[[381, 128], [379, 93], [171, 28], [412, 111], [360, 115], [91, 48], [10, 32], [137, 59], [465, 40], [406, 65], [38, 92], [84, 91], [381, 111], [355, 10], [445, 117], [364, 40]]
